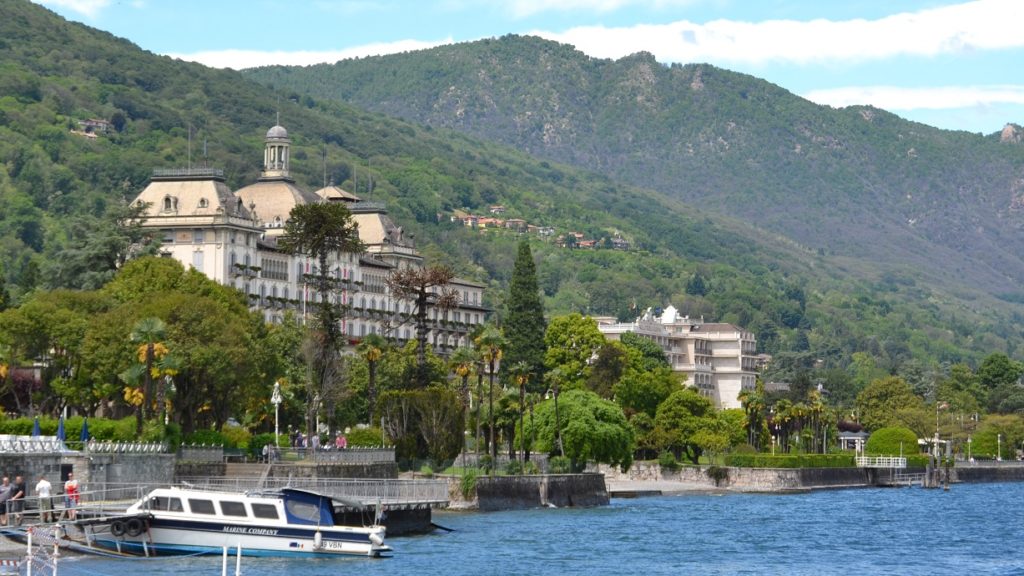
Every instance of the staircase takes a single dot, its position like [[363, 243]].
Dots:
[[249, 475]]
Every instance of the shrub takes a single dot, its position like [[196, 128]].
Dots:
[[790, 460], [365, 437], [667, 461], [892, 441], [236, 437], [486, 463], [207, 437], [467, 485], [257, 442], [717, 473], [559, 465], [513, 468], [427, 471], [530, 467]]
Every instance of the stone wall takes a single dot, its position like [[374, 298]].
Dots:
[[748, 479], [521, 492], [981, 473]]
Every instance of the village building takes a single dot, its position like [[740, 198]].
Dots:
[[232, 237], [718, 359]]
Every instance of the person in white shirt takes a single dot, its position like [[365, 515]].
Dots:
[[44, 491]]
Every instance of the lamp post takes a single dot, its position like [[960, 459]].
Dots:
[[999, 448], [275, 399], [969, 459]]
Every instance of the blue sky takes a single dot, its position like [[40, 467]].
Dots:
[[955, 65]]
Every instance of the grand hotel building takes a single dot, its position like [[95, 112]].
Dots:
[[231, 236]]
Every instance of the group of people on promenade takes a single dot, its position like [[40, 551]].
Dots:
[[299, 442], [12, 499]]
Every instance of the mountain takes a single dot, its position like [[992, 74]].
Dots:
[[85, 117], [860, 183]]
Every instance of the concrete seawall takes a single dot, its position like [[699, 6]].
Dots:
[[495, 493], [648, 477]]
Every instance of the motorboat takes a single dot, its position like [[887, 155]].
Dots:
[[280, 522]]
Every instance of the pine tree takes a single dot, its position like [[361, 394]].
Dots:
[[525, 326]]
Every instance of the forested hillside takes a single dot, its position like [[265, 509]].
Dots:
[[943, 207], [60, 187]]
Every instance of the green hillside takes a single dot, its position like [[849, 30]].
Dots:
[[858, 183], [809, 307]]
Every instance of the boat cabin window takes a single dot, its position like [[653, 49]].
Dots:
[[201, 506], [308, 511], [268, 511], [165, 503], [232, 509]]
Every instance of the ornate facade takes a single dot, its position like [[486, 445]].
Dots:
[[232, 238]]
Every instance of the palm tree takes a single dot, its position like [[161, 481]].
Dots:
[[521, 372], [147, 332], [490, 343], [782, 418], [462, 361], [371, 348]]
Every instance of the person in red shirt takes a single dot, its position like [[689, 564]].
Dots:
[[71, 495]]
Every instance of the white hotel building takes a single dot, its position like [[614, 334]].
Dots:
[[232, 238], [718, 359]]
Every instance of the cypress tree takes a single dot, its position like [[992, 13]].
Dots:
[[524, 326]]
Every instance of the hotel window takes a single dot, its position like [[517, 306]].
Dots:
[[203, 203], [167, 236], [198, 236]]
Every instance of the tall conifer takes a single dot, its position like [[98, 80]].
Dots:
[[524, 325]]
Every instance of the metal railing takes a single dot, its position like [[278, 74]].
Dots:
[[331, 455], [32, 444], [118, 447], [881, 462], [369, 492]]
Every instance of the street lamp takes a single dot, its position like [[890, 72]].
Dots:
[[999, 448], [275, 399], [969, 459]]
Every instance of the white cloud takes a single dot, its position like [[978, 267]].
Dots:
[[88, 8], [938, 98], [526, 8], [978, 25], [239, 59]]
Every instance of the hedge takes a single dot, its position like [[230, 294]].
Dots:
[[791, 460]]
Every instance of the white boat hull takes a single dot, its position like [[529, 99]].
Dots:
[[197, 538]]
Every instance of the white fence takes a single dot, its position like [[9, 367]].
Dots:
[[881, 462]]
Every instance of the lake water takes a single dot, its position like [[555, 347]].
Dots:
[[969, 530]]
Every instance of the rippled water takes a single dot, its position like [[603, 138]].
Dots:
[[972, 529]]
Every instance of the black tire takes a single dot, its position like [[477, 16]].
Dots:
[[135, 527], [117, 528]]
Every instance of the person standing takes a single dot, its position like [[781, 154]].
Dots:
[[5, 495], [71, 496], [18, 499], [43, 491]]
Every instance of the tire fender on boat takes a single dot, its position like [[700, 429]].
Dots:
[[318, 540], [117, 528], [135, 527]]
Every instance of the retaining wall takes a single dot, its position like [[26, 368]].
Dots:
[[522, 492]]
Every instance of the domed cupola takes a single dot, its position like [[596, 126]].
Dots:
[[275, 155]]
